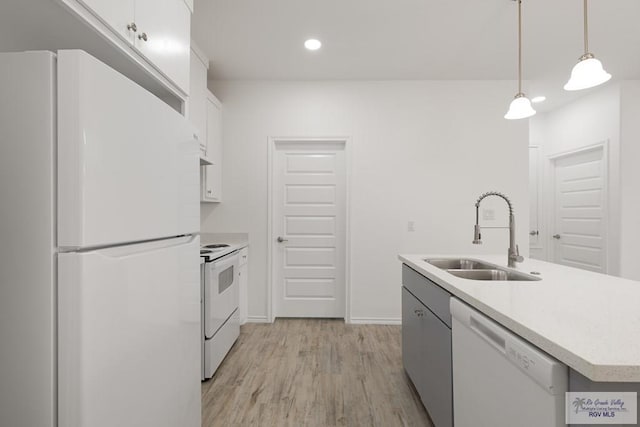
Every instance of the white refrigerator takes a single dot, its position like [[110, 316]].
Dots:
[[99, 260]]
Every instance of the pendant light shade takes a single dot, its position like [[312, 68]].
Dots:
[[588, 72], [520, 107]]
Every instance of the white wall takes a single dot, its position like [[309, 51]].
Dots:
[[421, 151], [611, 114], [587, 121], [630, 180]]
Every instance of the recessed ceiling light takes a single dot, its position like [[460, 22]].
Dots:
[[312, 44], [537, 99]]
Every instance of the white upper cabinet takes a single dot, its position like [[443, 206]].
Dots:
[[204, 111], [118, 14], [158, 29], [211, 176], [197, 104], [214, 129], [163, 36]]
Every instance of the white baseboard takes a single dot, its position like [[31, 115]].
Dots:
[[353, 320], [375, 321], [257, 319]]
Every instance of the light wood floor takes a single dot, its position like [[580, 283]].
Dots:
[[310, 372]]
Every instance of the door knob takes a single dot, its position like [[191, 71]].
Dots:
[[556, 236], [280, 239]]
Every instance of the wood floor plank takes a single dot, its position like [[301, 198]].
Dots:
[[313, 372]]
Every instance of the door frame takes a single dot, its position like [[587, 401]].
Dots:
[[602, 146], [272, 146], [539, 197]]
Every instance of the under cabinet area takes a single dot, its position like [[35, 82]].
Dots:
[[426, 344], [158, 29]]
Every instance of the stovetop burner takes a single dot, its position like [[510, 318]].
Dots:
[[216, 245]]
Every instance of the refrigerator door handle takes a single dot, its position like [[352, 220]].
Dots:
[[133, 249]]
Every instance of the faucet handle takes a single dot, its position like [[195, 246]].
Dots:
[[518, 257]]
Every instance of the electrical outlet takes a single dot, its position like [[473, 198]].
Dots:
[[411, 226]]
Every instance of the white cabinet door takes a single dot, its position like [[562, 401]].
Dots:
[[118, 14], [163, 37], [198, 100], [211, 183], [212, 175], [214, 129]]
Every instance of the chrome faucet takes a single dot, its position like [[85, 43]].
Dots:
[[514, 252]]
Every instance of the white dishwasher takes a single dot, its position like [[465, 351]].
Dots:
[[500, 380]]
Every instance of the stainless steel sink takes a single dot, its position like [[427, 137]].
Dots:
[[459, 264], [492, 274], [478, 270]]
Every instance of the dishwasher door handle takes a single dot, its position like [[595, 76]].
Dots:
[[488, 334]]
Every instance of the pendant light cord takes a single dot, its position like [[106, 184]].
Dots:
[[586, 29], [520, 46]]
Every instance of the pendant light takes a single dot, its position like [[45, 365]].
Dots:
[[520, 107], [588, 72]]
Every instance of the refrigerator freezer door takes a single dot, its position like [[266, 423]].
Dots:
[[128, 165], [129, 336]]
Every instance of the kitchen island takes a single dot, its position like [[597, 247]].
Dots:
[[588, 321]]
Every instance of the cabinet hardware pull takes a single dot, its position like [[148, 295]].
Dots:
[[280, 239], [143, 36], [556, 236], [419, 313], [132, 27], [534, 233]]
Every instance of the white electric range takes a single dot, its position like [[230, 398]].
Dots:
[[219, 308]]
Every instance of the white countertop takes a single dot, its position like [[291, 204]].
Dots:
[[589, 321]]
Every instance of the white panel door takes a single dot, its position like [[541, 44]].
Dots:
[[309, 214], [129, 336], [127, 163], [579, 232]]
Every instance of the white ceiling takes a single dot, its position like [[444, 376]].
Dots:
[[413, 39]]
